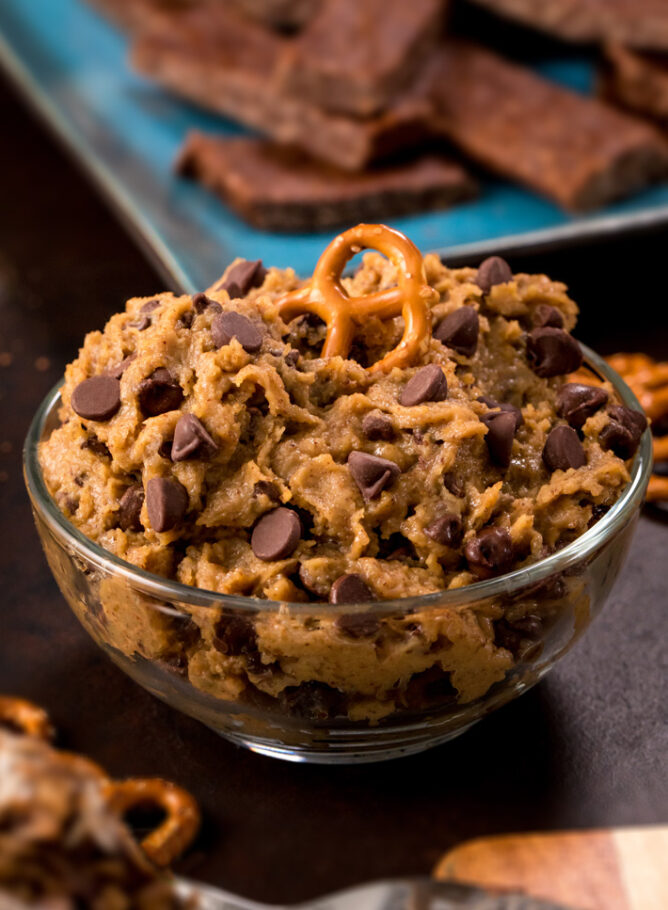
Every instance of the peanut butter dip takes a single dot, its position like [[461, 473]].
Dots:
[[403, 431]]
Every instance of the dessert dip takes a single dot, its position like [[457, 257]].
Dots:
[[407, 430]]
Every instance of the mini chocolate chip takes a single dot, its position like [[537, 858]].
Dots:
[[313, 700], [371, 473], [490, 553], [121, 367], [493, 270], [201, 303], [97, 398], [563, 450], [159, 393], [459, 331], [453, 484], [503, 406], [186, 319], [358, 625], [96, 446], [235, 635], [350, 589], [501, 426], [597, 513], [242, 277], [267, 488], [276, 534], [577, 402], [292, 358], [377, 425], [144, 320], [165, 449], [191, 440], [166, 502], [129, 508], [624, 432], [552, 352], [546, 315], [229, 325], [428, 384], [446, 530]]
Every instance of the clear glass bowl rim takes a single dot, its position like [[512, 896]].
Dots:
[[166, 590]]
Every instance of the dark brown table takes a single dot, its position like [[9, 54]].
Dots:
[[587, 747]]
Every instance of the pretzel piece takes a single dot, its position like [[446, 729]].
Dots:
[[22, 715], [648, 379], [182, 817], [325, 296]]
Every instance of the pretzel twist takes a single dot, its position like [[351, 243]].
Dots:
[[22, 715], [326, 297], [182, 817], [648, 380]]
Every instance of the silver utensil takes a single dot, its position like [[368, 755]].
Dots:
[[397, 894]]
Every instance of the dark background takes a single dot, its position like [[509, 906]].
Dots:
[[585, 748]]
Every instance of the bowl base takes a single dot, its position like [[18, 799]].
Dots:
[[349, 751]]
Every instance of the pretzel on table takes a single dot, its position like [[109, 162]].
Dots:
[[23, 716], [326, 297], [182, 818], [648, 380]]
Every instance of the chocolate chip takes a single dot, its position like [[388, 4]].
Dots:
[[377, 425], [292, 358], [166, 502], [96, 446], [624, 432], [459, 331], [191, 440], [129, 508], [165, 449], [597, 513], [429, 688], [186, 319], [350, 589], [501, 426], [120, 368], [552, 352], [504, 406], [235, 635], [563, 450], [201, 303], [371, 473], [358, 625], [577, 402], [546, 315], [159, 393], [267, 488], [493, 270], [490, 553], [276, 534], [229, 325], [313, 700], [428, 384], [446, 530], [242, 277], [97, 398]]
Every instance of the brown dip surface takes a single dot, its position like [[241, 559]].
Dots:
[[468, 494]]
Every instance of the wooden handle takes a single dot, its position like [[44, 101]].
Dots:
[[613, 869]]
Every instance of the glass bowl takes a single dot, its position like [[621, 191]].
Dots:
[[367, 681]]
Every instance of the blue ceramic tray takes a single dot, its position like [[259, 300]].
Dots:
[[71, 63]]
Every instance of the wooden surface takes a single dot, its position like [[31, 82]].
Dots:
[[583, 749], [605, 869]]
